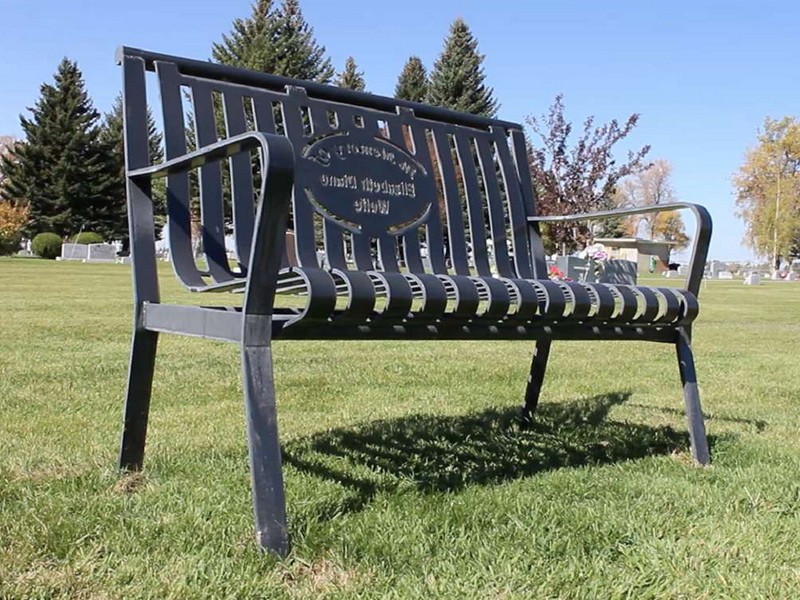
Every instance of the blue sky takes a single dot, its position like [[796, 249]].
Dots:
[[703, 75]]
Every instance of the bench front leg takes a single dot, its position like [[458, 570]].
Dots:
[[266, 254], [269, 503]]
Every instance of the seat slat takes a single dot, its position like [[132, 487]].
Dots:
[[465, 292], [432, 292], [399, 296]]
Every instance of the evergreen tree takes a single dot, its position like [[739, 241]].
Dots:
[[299, 54], [351, 78], [111, 135], [412, 84], [277, 41], [251, 43], [457, 79], [61, 169]]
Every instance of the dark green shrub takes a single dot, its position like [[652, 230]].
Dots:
[[88, 237], [46, 245]]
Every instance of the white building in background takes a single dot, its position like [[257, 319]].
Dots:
[[645, 253]]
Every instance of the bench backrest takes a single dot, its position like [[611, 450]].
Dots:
[[381, 184]]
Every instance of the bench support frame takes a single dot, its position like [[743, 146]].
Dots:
[[263, 247]]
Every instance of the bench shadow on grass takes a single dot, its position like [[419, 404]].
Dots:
[[435, 453]]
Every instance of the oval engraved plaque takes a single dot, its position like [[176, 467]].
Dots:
[[366, 184]]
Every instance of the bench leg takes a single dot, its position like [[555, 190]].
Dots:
[[535, 380], [269, 504], [137, 399], [691, 400]]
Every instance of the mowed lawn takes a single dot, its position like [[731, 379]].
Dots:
[[405, 474]]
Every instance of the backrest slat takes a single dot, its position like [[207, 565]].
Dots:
[[477, 226], [212, 210], [241, 169], [497, 215], [516, 208], [425, 150], [536, 251], [302, 211], [456, 238], [178, 199]]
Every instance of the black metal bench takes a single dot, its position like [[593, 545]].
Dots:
[[407, 222]]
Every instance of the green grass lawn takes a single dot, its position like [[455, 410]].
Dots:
[[405, 474]]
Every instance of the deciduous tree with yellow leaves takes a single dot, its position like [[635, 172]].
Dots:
[[768, 191]]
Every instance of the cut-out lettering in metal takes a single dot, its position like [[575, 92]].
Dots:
[[367, 184]]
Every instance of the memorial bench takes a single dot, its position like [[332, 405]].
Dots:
[[405, 222]]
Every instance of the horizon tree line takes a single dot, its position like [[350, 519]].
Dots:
[[69, 170]]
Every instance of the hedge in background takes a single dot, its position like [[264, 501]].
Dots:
[[46, 245], [88, 237]]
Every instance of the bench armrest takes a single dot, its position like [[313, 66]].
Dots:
[[702, 237], [272, 210], [202, 156]]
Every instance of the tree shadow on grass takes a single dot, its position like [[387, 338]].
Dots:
[[436, 453]]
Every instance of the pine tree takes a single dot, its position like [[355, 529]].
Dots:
[[412, 84], [277, 41], [111, 135], [251, 43], [457, 79], [351, 78], [299, 54], [61, 169]]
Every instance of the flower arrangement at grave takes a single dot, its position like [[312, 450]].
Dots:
[[597, 257], [557, 274]]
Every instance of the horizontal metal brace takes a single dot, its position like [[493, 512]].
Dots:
[[197, 321]]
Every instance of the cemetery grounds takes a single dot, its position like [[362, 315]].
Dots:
[[406, 476]]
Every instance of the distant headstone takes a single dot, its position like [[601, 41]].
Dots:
[[792, 276], [753, 279], [724, 275], [672, 275], [683, 270], [74, 251], [575, 268], [619, 271], [101, 253]]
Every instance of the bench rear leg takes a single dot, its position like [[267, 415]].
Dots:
[[137, 399], [269, 504], [535, 380], [691, 400]]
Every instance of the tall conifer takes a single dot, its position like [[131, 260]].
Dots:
[[299, 54], [275, 40], [457, 79], [61, 169], [412, 84], [111, 134], [251, 42], [351, 78]]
